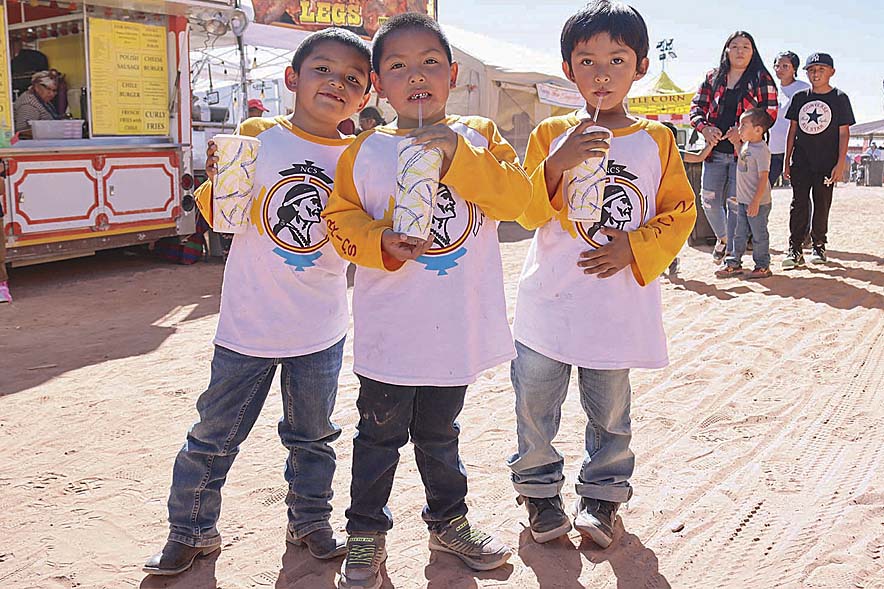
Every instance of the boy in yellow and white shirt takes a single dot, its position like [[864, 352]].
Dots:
[[283, 303], [588, 295], [429, 316]]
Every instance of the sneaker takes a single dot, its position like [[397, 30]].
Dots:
[[758, 273], [322, 543], [729, 272], [175, 558], [594, 518], [546, 517], [718, 251], [477, 549], [366, 552], [5, 296], [819, 255], [795, 259]]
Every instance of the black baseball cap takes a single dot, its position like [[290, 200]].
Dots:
[[819, 59]]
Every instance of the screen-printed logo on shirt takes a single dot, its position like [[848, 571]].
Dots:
[[624, 207], [290, 214], [454, 220], [814, 117]]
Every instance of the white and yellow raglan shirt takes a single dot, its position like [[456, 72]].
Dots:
[[615, 322], [439, 320], [285, 287]]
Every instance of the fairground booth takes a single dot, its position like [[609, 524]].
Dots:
[[95, 123]]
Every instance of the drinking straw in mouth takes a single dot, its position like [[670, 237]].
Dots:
[[420, 114], [598, 107]]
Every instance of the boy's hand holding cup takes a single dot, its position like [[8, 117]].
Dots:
[[583, 158], [231, 167]]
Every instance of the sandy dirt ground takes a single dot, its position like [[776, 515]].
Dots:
[[760, 449]]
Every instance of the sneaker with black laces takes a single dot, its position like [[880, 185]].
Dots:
[[594, 518], [480, 551], [366, 552], [546, 517], [818, 256], [795, 259], [719, 251]]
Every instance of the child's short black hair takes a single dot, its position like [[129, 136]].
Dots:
[[342, 36], [793, 59], [622, 22], [400, 22], [759, 117]]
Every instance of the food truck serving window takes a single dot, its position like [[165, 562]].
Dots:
[[128, 75]]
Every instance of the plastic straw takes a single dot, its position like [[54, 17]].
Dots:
[[598, 107], [420, 113]]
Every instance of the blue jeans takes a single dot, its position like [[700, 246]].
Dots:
[[228, 410], [541, 385], [718, 185], [388, 415], [760, 237]]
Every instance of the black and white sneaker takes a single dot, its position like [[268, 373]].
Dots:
[[480, 551], [546, 516], [594, 518], [719, 251], [819, 255], [795, 259]]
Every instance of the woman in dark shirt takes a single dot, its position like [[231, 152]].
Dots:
[[740, 82]]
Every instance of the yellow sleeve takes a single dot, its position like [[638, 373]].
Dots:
[[250, 128], [542, 208], [355, 235], [656, 243], [489, 177]]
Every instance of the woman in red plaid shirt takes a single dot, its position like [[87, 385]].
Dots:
[[740, 82]]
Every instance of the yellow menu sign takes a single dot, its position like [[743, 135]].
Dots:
[[6, 121], [128, 76]]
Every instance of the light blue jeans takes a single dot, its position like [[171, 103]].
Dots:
[[541, 385], [228, 410], [760, 237], [718, 185]]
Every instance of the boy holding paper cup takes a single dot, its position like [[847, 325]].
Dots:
[[283, 303], [429, 314], [588, 295]]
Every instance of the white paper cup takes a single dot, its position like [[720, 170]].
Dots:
[[585, 185], [417, 181], [232, 189]]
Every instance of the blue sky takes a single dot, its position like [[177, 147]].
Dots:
[[852, 31]]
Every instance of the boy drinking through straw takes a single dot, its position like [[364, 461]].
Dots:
[[429, 315], [283, 303], [588, 295]]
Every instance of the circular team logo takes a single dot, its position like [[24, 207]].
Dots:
[[624, 208], [453, 219], [814, 117], [291, 213]]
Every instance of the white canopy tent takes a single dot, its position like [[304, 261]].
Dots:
[[510, 84]]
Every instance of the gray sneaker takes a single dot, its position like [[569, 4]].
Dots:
[[366, 552], [546, 517], [595, 518], [477, 549]]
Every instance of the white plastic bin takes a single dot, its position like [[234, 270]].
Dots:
[[66, 129]]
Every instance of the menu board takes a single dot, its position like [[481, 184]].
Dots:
[[6, 120], [128, 78]]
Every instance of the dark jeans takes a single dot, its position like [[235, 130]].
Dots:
[[388, 414], [776, 168], [807, 185]]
